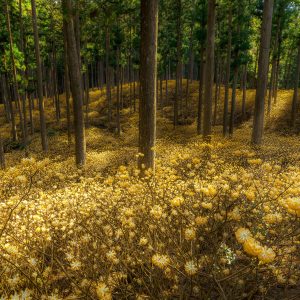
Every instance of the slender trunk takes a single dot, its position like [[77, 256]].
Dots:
[[233, 100], [14, 71], [148, 73], [271, 88], [167, 91], [273, 71], [256, 65], [30, 103], [209, 70], [227, 75], [244, 93], [101, 75], [258, 121], [277, 72], [87, 95], [296, 91], [2, 158], [121, 92], [200, 99], [75, 84], [67, 84], [54, 84], [11, 108], [218, 83], [23, 96], [5, 99], [39, 79], [118, 92], [286, 68], [161, 91], [134, 96], [187, 91], [107, 73], [178, 95]]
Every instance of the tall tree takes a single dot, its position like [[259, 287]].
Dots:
[[75, 83], [263, 66], [2, 158], [227, 74], [14, 70], [296, 90], [39, 78], [148, 70], [209, 70], [178, 93]]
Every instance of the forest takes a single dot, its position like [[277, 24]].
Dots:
[[149, 149]]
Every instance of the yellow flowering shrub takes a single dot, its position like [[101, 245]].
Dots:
[[215, 219]]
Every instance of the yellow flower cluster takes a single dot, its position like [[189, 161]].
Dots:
[[252, 247]]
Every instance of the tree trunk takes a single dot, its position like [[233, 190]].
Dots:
[[87, 94], [227, 75], [218, 83], [286, 67], [67, 83], [14, 70], [200, 99], [178, 95], [76, 84], [5, 99], [107, 73], [244, 93], [167, 91], [209, 70], [39, 79], [233, 100], [296, 90], [271, 88], [11, 108], [258, 121], [134, 95], [121, 88], [277, 72], [273, 71], [23, 96], [118, 92], [161, 91], [2, 158], [148, 74]]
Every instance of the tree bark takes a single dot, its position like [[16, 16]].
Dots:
[[218, 83], [296, 91], [2, 158], [23, 96], [76, 84], [39, 79], [200, 99], [67, 84], [258, 121], [86, 93], [107, 73], [233, 100], [118, 92], [11, 108], [227, 75], [209, 70], [244, 93], [14, 70], [178, 95], [5, 99], [148, 74]]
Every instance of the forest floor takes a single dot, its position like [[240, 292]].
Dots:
[[228, 212]]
